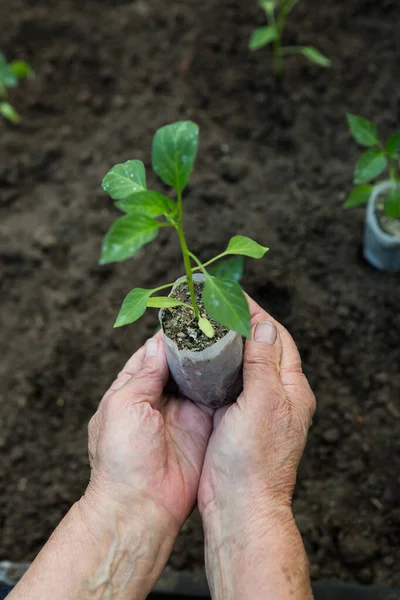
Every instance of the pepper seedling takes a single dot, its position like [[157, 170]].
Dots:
[[146, 211], [277, 12], [10, 75], [373, 163]]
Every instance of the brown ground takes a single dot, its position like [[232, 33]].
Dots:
[[275, 164]]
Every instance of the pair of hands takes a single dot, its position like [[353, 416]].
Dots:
[[165, 449], [157, 454], [153, 455]]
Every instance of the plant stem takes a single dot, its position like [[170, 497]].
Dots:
[[199, 264], [185, 254], [209, 262]]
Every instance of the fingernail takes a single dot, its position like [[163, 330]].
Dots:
[[266, 333], [151, 348]]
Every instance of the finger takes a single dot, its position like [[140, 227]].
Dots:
[[135, 362], [219, 414], [262, 355], [148, 383], [295, 384], [132, 367], [290, 357]]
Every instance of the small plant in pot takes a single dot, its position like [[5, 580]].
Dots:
[[205, 316], [382, 225]]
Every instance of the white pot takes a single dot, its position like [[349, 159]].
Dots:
[[381, 249], [211, 377]]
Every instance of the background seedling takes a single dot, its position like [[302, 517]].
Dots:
[[277, 12], [373, 163], [10, 75], [173, 156]]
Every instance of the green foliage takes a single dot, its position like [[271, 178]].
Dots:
[[151, 203], [173, 157], [10, 75], [126, 236], [392, 204], [133, 307], [9, 113], [225, 302], [262, 36], [246, 247], [124, 180], [360, 195], [315, 56], [363, 131], [370, 165], [174, 153], [373, 163], [231, 268], [276, 12]]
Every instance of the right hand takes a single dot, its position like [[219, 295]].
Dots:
[[257, 443]]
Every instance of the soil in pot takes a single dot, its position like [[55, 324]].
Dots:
[[180, 324]]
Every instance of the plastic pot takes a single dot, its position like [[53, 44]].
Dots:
[[381, 249], [211, 377]]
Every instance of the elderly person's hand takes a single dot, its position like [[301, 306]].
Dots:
[[146, 446], [146, 451], [253, 548]]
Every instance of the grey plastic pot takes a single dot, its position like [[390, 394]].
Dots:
[[210, 377], [381, 249]]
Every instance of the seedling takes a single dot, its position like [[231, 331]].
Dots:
[[373, 163], [173, 156], [277, 12], [10, 75]]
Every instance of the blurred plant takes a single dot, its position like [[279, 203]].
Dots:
[[10, 75], [373, 163], [277, 12]]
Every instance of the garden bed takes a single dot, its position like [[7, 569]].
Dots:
[[275, 163]]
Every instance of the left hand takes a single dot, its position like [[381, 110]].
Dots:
[[145, 445]]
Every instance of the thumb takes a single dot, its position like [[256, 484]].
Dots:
[[261, 364], [148, 383]]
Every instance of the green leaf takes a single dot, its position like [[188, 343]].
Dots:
[[125, 179], [268, 5], [7, 76], [21, 69], [225, 302], [360, 195], [363, 131], [231, 268], [240, 244], [163, 302], [9, 112], [133, 307], [206, 327], [370, 165], [174, 152], [262, 36], [392, 204], [126, 236], [149, 202], [393, 145], [316, 56]]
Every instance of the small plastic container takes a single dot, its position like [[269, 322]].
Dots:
[[381, 249], [211, 377]]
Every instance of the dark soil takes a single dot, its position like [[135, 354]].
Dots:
[[275, 163], [180, 323]]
